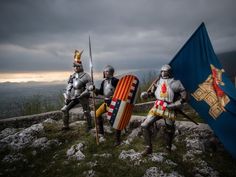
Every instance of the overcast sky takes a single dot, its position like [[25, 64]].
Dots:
[[128, 34]]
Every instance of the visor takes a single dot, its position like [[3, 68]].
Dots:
[[77, 65]]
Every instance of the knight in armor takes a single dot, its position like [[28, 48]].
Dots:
[[170, 95], [77, 92], [107, 89]]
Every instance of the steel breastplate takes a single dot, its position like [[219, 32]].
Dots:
[[164, 91], [108, 88], [77, 83]]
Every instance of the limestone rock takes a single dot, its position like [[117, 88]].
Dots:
[[23, 138], [75, 152]]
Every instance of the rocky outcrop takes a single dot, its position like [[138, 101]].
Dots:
[[22, 138], [75, 152], [17, 139], [195, 140]]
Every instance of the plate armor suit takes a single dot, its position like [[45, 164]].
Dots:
[[78, 92], [107, 89], [170, 95]]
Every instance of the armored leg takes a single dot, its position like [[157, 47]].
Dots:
[[100, 125], [148, 141], [117, 138], [85, 105], [99, 118], [146, 127], [170, 132], [147, 137], [65, 111], [65, 121], [88, 119]]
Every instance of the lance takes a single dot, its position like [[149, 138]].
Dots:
[[93, 95]]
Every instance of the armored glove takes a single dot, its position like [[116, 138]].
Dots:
[[174, 105], [91, 87], [144, 95], [67, 98], [67, 101]]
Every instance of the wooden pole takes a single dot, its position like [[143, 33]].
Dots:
[[94, 106]]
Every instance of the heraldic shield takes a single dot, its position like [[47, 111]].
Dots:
[[123, 101]]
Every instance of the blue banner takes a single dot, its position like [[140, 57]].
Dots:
[[212, 94]]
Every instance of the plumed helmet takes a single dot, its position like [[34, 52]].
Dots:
[[109, 69], [77, 58]]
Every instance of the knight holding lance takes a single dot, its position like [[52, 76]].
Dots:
[[170, 95], [77, 92], [107, 89]]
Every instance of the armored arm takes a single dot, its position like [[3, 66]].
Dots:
[[180, 96], [100, 90], [67, 94], [88, 86], [150, 92], [178, 103]]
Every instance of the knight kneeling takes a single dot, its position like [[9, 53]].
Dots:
[[170, 95], [107, 89]]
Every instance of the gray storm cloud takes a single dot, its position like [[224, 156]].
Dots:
[[129, 34]]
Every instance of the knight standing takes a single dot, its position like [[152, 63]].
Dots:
[[77, 92], [107, 89], [170, 95]]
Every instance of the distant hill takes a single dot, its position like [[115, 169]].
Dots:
[[228, 61], [14, 95]]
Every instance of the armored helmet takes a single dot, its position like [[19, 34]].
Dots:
[[77, 58], [166, 71], [108, 69]]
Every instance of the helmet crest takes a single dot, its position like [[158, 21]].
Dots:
[[77, 57]]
